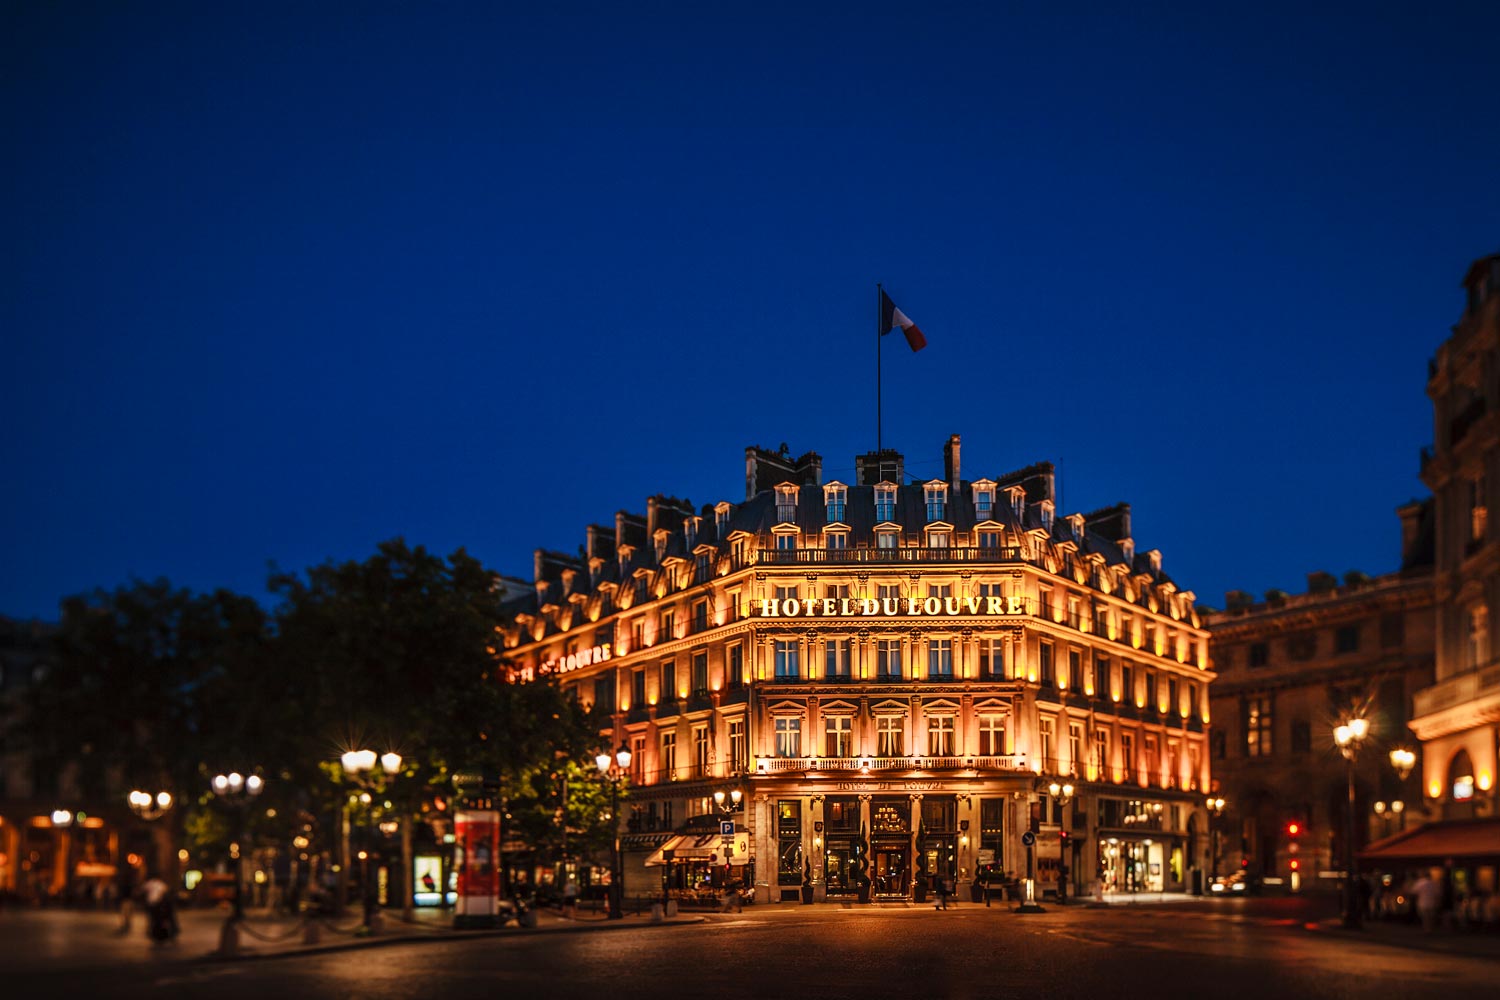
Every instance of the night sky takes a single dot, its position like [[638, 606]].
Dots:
[[279, 281]]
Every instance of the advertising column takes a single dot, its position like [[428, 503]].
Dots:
[[477, 862]]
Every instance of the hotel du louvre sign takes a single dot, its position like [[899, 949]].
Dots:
[[889, 607]]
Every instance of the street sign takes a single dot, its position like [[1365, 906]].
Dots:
[[1028, 838], [726, 828]]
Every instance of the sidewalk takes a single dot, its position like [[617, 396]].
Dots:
[[1482, 943], [38, 939]]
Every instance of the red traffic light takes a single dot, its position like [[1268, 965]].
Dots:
[[1296, 864], [1293, 828]]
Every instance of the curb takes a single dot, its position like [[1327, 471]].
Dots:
[[247, 955]]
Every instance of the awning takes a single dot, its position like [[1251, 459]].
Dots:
[[709, 847], [1456, 839]]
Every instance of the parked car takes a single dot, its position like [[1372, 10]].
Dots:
[[1235, 884]]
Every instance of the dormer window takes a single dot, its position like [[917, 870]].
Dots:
[[721, 518], [1048, 510], [937, 500], [984, 503], [1017, 501], [786, 504], [885, 502], [690, 532], [837, 540], [661, 545], [834, 496], [886, 540]]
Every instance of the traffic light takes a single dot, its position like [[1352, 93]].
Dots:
[[1062, 837], [1296, 864], [1293, 828]]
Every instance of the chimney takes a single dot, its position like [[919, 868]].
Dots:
[[1321, 582], [598, 542], [950, 463], [765, 468], [873, 467]]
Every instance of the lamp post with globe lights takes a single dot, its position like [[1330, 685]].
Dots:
[[359, 767], [614, 767], [1349, 737], [1402, 760], [236, 791], [1063, 794], [1215, 806]]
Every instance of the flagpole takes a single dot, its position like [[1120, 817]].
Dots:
[[878, 442]]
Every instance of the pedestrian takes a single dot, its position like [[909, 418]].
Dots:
[[127, 899], [570, 899], [161, 914], [940, 886], [1429, 895]]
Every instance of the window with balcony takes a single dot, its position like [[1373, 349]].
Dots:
[[940, 659], [836, 540], [838, 736], [991, 659], [1101, 754], [888, 659], [739, 746], [705, 566], [736, 659], [667, 692], [836, 657], [938, 539], [787, 667], [1046, 750], [700, 616], [786, 505], [940, 732], [788, 737], [834, 498], [887, 540], [885, 503], [991, 735], [1044, 664], [1075, 746], [1075, 671], [1150, 759], [700, 750], [1127, 754], [1101, 677], [888, 591], [836, 591], [984, 504], [936, 497], [1127, 683], [888, 736], [989, 539], [786, 594], [667, 761], [700, 673], [638, 687], [786, 542], [940, 591], [667, 629]]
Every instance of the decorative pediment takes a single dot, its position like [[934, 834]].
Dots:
[[890, 706], [787, 707], [839, 707]]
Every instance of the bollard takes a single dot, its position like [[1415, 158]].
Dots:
[[656, 913]]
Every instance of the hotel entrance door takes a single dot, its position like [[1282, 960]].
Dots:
[[889, 876]]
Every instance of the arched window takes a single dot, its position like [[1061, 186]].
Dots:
[[1461, 777]]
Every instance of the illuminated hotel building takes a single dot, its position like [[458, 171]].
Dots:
[[891, 674]]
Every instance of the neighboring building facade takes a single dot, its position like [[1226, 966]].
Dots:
[[1289, 669], [890, 673], [1458, 718]]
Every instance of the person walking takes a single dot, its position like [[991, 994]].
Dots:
[[1429, 894], [127, 892], [940, 887], [570, 899], [161, 915]]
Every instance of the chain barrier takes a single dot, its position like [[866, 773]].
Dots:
[[296, 928]]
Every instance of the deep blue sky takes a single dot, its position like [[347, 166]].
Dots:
[[281, 281]]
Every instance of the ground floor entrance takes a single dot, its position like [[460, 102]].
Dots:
[[890, 875]]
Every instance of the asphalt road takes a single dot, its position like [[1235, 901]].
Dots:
[[1261, 950]]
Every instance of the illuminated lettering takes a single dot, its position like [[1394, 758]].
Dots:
[[768, 608], [992, 606]]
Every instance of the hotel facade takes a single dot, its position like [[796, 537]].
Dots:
[[879, 682]]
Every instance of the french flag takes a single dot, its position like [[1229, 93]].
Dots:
[[891, 317]]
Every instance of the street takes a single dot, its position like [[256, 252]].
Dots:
[[1224, 948]]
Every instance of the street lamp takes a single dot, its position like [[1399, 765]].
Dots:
[[236, 791], [1063, 793], [1349, 737], [359, 765], [1215, 806], [613, 769], [149, 807]]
